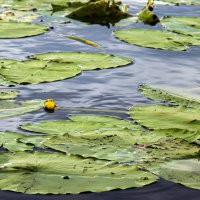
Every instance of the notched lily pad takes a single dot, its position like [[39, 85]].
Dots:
[[56, 173]]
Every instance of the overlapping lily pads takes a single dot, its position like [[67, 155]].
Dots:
[[55, 66], [56, 173]]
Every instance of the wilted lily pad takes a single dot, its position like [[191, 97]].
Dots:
[[156, 39], [10, 108], [185, 25], [56, 173], [20, 29], [55, 66], [99, 12]]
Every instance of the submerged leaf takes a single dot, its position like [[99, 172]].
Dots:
[[156, 39], [8, 94], [9, 108], [84, 41], [56, 173]]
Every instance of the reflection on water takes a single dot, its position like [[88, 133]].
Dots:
[[106, 89]]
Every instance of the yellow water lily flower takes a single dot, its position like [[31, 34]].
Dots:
[[49, 104]]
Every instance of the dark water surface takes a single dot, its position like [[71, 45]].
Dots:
[[106, 89]]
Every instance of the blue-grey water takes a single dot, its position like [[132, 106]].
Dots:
[[113, 89]]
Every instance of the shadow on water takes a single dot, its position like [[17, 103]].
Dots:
[[113, 89]]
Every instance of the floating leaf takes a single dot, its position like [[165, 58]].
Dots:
[[20, 29], [8, 94], [9, 140], [84, 41], [56, 173], [185, 25], [81, 123], [156, 39], [55, 66], [9, 108], [86, 60]]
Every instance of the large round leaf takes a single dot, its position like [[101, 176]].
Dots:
[[156, 39], [184, 25], [86, 60], [20, 29], [56, 173]]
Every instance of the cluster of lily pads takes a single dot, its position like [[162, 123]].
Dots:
[[94, 152], [100, 153]]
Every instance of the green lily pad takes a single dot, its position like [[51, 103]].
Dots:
[[164, 117], [185, 25], [10, 108], [182, 2], [156, 93], [56, 173], [9, 140], [185, 172], [20, 29], [156, 39], [8, 94], [78, 124], [85, 60], [55, 66], [36, 71]]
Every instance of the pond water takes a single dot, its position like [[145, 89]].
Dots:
[[109, 89]]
